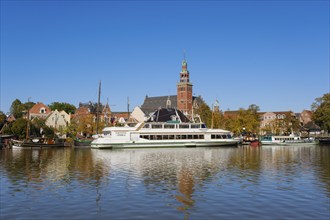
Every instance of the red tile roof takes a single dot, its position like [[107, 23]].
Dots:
[[36, 108]]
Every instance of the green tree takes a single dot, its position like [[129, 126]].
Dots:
[[291, 123], [68, 108], [253, 118], [19, 109], [2, 117], [218, 119], [321, 111], [18, 128], [48, 132], [246, 120], [205, 113]]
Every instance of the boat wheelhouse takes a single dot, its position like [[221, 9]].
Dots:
[[164, 133]]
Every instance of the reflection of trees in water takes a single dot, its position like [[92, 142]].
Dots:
[[245, 163], [323, 168], [51, 165]]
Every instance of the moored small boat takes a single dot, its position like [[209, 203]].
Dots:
[[82, 142], [324, 141], [37, 143], [284, 140]]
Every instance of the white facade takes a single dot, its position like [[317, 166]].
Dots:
[[58, 120], [138, 115], [267, 119]]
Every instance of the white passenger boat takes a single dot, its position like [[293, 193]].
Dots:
[[155, 133], [284, 140]]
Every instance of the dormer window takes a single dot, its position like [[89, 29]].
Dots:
[[42, 110]]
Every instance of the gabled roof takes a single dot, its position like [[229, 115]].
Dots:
[[311, 126], [82, 110], [36, 108], [106, 109], [230, 113], [167, 114], [92, 107], [278, 113], [120, 115], [151, 104], [307, 112]]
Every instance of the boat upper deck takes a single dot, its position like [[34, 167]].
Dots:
[[163, 127]]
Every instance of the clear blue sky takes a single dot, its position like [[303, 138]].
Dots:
[[274, 54]]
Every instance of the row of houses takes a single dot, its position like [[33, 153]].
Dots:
[[183, 101], [59, 120]]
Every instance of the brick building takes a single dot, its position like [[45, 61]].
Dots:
[[183, 100]]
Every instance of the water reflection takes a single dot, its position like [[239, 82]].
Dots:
[[179, 179]]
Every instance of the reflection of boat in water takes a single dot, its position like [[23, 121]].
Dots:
[[172, 132], [5, 140], [148, 159], [38, 143], [284, 140], [324, 141]]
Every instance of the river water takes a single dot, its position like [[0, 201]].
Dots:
[[268, 182]]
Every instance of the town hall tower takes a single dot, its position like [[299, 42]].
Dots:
[[184, 91]]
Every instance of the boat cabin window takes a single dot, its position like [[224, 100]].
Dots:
[[131, 125], [146, 126], [184, 126], [220, 136], [107, 132], [203, 126], [172, 137], [156, 126], [266, 138], [171, 126], [195, 126]]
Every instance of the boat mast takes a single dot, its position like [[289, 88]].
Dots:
[[128, 109], [212, 120], [28, 121], [97, 109]]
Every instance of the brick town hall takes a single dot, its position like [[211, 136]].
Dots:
[[183, 101]]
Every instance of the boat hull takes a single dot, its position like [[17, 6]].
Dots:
[[287, 143], [132, 144], [82, 143], [20, 144], [32, 145]]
